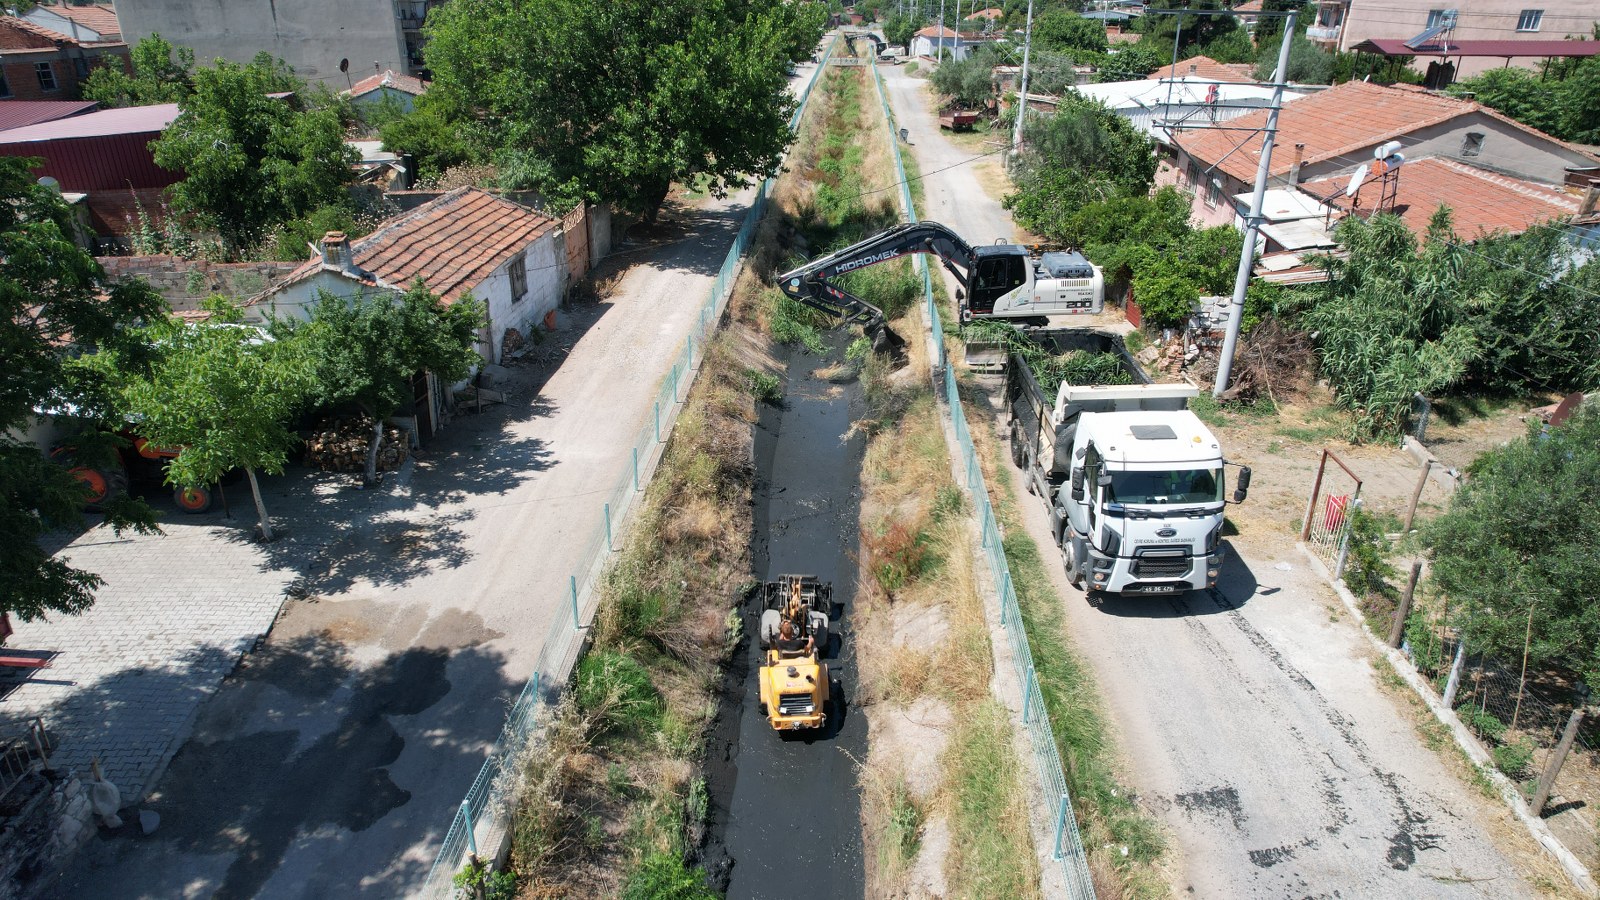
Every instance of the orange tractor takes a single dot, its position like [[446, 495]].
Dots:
[[140, 460]]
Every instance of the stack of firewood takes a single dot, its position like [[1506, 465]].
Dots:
[[339, 444]]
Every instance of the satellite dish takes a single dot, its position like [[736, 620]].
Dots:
[[344, 65], [51, 183], [1387, 149], [1356, 178]]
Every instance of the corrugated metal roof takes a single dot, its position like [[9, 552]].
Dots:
[[105, 123], [1502, 49], [22, 113]]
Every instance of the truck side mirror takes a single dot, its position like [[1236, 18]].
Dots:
[[1243, 489], [1077, 483]]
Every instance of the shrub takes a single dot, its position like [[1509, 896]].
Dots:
[[767, 388], [1514, 757], [1367, 570], [663, 876], [898, 554], [1484, 723], [1166, 296], [617, 688]]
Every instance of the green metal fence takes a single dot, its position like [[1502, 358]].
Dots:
[[1067, 848], [480, 822]]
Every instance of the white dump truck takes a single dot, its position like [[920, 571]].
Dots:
[[1134, 481]]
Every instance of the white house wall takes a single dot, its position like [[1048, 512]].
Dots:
[[545, 269]]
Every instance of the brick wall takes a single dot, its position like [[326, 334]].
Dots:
[[22, 76], [186, 282]]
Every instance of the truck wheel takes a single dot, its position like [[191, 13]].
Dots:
[[1069, 561]]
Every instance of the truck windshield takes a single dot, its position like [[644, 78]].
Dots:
[[1180, 486]]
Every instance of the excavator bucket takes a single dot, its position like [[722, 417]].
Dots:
[[886, 343]]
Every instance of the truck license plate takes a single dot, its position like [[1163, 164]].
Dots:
[[1160, 589]]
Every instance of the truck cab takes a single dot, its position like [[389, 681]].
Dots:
[[1142, 506]]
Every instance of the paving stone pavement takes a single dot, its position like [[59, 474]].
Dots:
[[176, 613]]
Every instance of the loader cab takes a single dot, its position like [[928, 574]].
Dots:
[[999, 269]]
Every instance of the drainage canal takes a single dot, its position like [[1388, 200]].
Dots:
[[786, 811]]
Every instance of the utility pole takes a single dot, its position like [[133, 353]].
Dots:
[[1022, 91], [1252, 225], [939, 54]]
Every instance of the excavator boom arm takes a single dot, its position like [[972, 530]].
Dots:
[[814, 283]]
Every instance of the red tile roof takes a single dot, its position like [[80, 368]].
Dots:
[[1480, 201], [1208, 69], [100, 18], [1336, 122], [20, 113], [990, 13], [452, 243], [408, 84], [936, 31], [1250, 6]]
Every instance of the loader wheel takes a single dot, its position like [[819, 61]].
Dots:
[[192, 500], [763, 708]]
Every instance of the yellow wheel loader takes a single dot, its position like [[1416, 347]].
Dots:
[[796, 693]]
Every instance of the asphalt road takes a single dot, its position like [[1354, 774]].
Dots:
[[332, 763], [1249, 719]]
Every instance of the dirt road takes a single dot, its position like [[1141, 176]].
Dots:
[[1250, 719]]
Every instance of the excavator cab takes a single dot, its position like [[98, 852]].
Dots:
[[999, 270]]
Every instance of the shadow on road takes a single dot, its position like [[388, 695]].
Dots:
[[299, 743]]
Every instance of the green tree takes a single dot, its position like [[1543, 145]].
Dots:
[[365, 350], [685, 88], [252, 161], [968, 83], [900, 29], [1083, 154], [1308, 63], [1518, 93], [1231, 46], [1167, 296], [1196, 31], [1578, 116], [224, 392], [426, 134], [1129, 62], [55, 300], [1516, 548], [161, 74], [1063, 30]]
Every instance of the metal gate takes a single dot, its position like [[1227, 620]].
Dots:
[[1335, 496]]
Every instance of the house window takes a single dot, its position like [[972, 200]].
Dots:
[[1530, 19], [81, 66], [1473, 144], [47, 76], [5, 86], [1214, 192], [1194, 176], [519, 277]]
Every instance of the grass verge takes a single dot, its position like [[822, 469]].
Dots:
[[1107, 816]]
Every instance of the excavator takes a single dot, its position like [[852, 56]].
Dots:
[[1018, 283]]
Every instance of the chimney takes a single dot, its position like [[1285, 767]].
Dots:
[[336, 251], [1294, 167], [1591, 199]]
